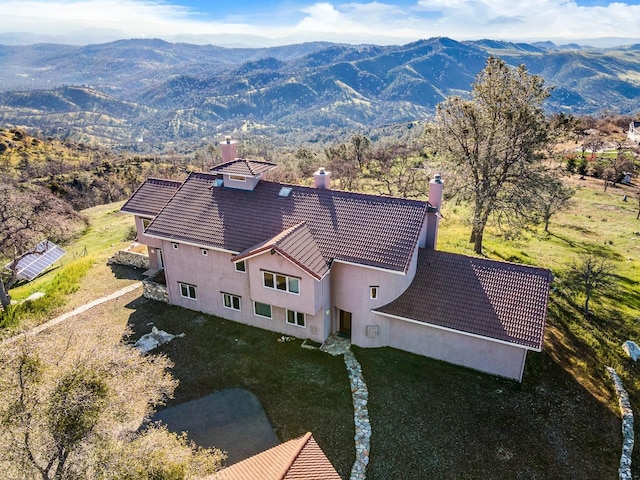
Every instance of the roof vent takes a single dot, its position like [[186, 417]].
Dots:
[[285, 191]]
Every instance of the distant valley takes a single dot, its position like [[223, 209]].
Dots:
[[151, 92]]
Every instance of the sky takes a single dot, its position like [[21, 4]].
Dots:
[[279, 22]]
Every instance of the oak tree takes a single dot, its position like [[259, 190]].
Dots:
[[74, 407], [495, 141]]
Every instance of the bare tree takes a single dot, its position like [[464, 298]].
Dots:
[[28, 216], [592, 274], [397, 170], [554, 197], [495, 142]]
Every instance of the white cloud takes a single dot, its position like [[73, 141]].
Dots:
[[374, 22]]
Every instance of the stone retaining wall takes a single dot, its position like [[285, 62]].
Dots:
[[155, 291], [627, 426], [132, 259]]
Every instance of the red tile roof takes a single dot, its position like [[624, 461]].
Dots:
[[352, 227], [151, 196], [298, 459], [498, 300], [241, 166], [298, 245]]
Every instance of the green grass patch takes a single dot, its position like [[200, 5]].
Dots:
[[107, 231]]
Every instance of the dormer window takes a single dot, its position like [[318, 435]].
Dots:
[[281, 282]]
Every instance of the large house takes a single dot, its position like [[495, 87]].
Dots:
[[311, 261]]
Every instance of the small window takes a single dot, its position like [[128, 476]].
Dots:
[[237, 178], [269, 280], [296, 318], [294, 285], [262, 309], [174, 246], [145, 223], [188, 291], [373, 293], [241, 267], [281, 282], [205, 252], [231, 301]]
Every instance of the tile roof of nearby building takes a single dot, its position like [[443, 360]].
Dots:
[[241, 166], [298, 459], [151, 196], [498, 300], [352, 227], [298, 245]]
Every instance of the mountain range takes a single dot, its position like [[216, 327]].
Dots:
[[129, 91]]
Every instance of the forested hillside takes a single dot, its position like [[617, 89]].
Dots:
[[143, 93]]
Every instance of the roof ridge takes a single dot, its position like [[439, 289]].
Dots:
[[294, 456]]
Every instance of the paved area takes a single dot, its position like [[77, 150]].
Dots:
[[232, 420]]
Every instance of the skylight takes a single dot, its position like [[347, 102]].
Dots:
[[285, 191]]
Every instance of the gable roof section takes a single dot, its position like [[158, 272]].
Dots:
[[296, 244], [151, 196], [298, 459], [352, 227], [498, 300], [244, 167]]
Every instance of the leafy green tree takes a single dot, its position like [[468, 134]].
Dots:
[[495, 142], [74, 410]]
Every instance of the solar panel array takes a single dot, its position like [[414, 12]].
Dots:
[[44, 255]]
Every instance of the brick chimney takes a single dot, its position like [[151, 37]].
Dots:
[[229, 150], [322, 179], [433, 216]]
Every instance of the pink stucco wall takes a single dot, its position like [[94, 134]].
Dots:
[[214, 274], [350, 292], [145, 239], [484, 355]]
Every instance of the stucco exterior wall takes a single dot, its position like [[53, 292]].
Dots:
[[249, 183], [308, 301], [350, 287], [215, 274], [483, 355], [142, 238]]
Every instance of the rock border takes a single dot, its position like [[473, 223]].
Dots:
[[624, 470]]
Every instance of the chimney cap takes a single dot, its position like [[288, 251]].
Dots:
[[437, 178]]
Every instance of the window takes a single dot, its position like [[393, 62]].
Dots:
[[237, 178], [281, 282], [145, 223], [373, 293], [175, 246], [231, 301], [262, 309], [188, 291], [241, 267], [295, 318], [205, 252]]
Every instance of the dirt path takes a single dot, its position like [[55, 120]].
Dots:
[[73, 313]]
